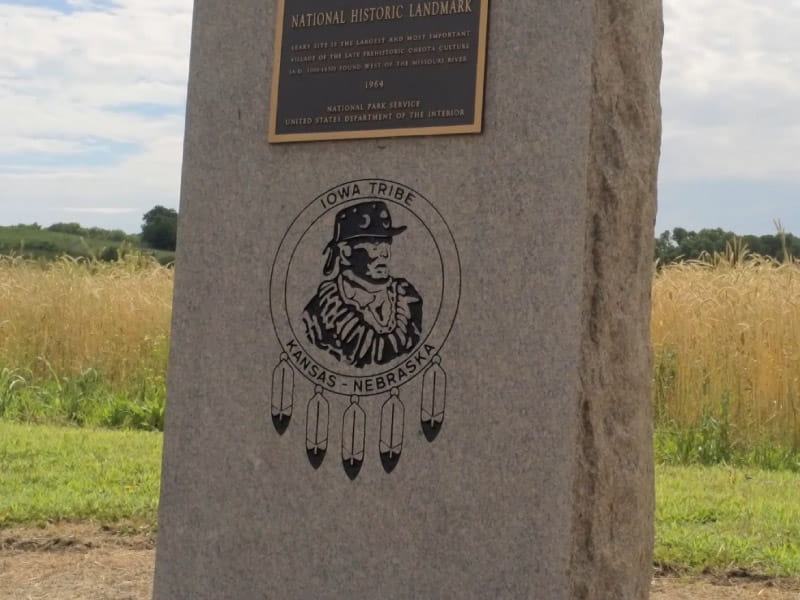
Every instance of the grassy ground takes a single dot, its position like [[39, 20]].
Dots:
[[707, 518], [723, 519], [52, 474], [711, 443]]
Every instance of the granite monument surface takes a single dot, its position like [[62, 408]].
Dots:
[[410, 350]]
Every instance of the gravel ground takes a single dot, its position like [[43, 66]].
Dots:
[[86, 562]]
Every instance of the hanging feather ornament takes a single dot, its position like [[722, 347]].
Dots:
[[354, 432], [317, 428], [282, 390], [391, 440], [434, 386]]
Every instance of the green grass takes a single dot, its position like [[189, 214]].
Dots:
[[50, 474], [708, 519], [722, 519], [713, 442], [86, 399]]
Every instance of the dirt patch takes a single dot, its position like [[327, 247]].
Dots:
[[70, 562], [716, 588], [88, 562]]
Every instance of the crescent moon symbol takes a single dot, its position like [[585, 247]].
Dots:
[[366, 223]]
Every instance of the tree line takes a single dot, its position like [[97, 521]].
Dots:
[[95, 233], [157, 238], [159, 230], [681, 244]]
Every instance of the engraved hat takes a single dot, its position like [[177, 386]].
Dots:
[[367, 219]]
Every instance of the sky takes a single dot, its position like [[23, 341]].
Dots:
[[92, 97]]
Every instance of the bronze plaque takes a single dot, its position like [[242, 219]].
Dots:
[[349, 69]]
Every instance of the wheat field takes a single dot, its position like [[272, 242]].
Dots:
[[726, 340], [70, 315], [84, 341]]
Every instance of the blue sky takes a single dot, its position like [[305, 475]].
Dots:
[[92, 95]]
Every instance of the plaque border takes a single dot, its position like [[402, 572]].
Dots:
[[475, 127]]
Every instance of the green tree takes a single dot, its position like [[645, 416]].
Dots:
[[160, 228]]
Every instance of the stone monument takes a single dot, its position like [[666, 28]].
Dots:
[[410, 351]]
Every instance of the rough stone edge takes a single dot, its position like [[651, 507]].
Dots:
[[611, 557]]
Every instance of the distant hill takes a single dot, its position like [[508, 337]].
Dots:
[[34, 241]]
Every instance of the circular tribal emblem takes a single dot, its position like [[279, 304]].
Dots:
[[364, 291]]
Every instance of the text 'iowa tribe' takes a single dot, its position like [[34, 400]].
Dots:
[[363, 386], [391, 12]]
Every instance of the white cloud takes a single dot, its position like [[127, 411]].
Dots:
[[15, 144], [731, 88], [69, 83], [101, 210]]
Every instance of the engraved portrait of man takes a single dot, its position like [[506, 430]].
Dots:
[[361, 314]]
